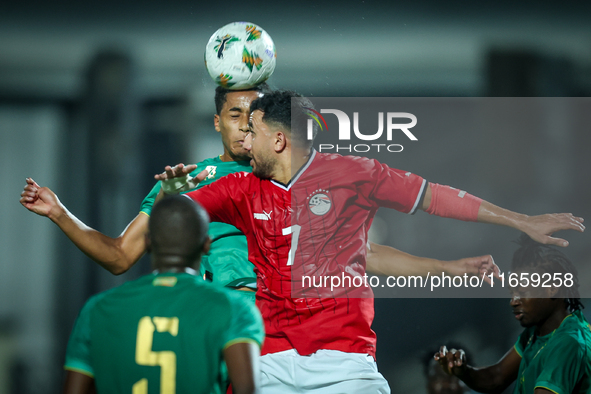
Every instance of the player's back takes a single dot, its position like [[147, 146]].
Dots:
[[159, 334]]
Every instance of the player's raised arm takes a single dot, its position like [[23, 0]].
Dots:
[[242, 360], [116, 255], [448, 202], [491, 379], [385, 260]]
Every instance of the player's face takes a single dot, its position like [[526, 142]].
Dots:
[[232, 123], [529, 309], [260, 142]]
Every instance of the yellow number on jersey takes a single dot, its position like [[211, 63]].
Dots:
[[165, 359]]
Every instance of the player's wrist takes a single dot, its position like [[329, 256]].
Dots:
[[463, 372], [447, 267], [455, 267], [57, 213], [175, 185]]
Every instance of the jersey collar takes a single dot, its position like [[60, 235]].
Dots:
[[294, 179]]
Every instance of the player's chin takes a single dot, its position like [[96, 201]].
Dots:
[[260, 172], [525, 322], [241, 154]]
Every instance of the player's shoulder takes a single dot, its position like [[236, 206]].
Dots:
[[350, 164], [116, 292], [575, 329], [212, 293], [346, 160], [96, 299], [209, 161], [240, 179]]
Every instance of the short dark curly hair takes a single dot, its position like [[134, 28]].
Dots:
[[221, 93], [291, 115], [178, 228], [533, 255]]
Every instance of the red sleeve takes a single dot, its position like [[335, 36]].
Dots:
[[223, 199], [391, 188]]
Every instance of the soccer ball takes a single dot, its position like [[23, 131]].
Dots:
[[240, 55]]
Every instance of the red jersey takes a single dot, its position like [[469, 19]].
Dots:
[[334, 200]]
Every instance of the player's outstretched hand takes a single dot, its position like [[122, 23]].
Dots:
[[541, 227], [180, 170], [40, 200], [177, 179], [481, 266], [452, 361]]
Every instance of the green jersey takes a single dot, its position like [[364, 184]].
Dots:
[[227, 261], [161, 333], [560, 361]]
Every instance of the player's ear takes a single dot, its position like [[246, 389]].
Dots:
[[206, 245], [216, 122], [552, 292], [280, 141]]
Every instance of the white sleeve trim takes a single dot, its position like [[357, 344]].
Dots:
[[414, 208]]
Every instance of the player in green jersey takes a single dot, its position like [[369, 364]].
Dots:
[[168, 331], [553, 354], [228, 260]]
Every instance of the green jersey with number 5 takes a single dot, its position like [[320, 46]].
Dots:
[[162, 333]]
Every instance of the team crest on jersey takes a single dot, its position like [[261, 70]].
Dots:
[[319, 202], [211, 171]]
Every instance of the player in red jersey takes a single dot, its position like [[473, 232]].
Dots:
[[304, 211]]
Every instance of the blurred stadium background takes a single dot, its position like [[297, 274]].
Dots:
[[95, 98]]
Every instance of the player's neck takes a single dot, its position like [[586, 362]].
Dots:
[[225, 157], [553, 321], [298, 159]]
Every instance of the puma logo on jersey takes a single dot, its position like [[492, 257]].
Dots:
[[263, 216]]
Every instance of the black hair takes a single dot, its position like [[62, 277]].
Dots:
[[291, 115], [178, 228], [533, 255], [221, 93]]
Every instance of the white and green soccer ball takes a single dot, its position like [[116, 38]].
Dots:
[[240, 55]]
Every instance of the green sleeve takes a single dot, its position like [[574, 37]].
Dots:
[[522, 341], [246, 324], [562, 368], [149, 200], [78, 350]]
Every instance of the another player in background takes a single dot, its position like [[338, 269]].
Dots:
[[168, 329], [553, 354], [283, 229], [227, 262]]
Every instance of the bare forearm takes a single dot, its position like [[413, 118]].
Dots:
[[385, 260], [490, 213], [116, 255], [484, 380], [449, 202]]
